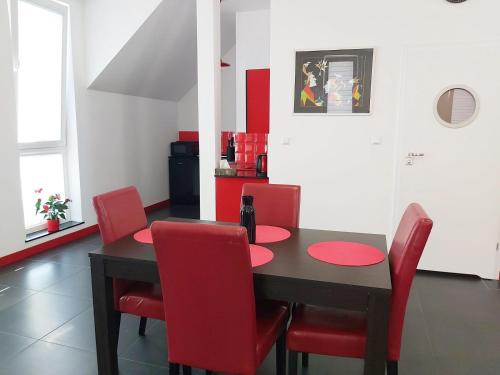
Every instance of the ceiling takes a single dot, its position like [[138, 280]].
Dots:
[[159, 61]]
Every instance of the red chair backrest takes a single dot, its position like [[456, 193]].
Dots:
[[406, 250], [119, 213], [206, 277], [277, 205]]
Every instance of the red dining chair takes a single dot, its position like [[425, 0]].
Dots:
[[212, 320], [342, 333], [277, 205], [120, 213]]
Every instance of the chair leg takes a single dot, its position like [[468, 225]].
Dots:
[[142, 326], [173, 368], [281, 354], [186, 370], [116, 334], [305, 360], [392, 367], [292, 362]]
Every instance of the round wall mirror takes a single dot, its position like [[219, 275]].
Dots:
[[456, 107]]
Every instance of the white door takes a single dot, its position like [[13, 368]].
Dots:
[[457, 180]]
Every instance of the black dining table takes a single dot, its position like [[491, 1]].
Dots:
[[292, 276]]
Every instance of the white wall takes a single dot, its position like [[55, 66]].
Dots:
[[209, 100], [348, 184], [122, 140], [228, 77], [187, 109], [11, 226], [110, 24], [252, 52], [188, 105]]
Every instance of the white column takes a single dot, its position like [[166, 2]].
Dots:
[[209, 101]]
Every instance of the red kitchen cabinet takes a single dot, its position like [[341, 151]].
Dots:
[[258, 101], [228, 196]]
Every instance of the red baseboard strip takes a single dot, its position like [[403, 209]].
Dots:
[[73, 236], [40, 248]]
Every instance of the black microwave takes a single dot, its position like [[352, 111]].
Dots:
[[184, 148]]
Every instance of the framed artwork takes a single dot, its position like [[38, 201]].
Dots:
[[333, 82]]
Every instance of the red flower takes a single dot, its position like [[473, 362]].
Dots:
[[45, 207], [38, 191]]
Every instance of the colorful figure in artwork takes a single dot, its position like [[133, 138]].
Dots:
[[307, 95], [356, 95]]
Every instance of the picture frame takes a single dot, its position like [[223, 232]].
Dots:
[[333, 82]]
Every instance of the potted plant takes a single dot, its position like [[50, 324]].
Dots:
[[52, 210]]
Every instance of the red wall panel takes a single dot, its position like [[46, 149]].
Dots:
[[258, 101], [189, 136], [194, 136]]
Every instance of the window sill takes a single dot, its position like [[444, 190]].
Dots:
[[43, 233]]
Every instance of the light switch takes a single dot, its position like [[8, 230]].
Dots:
[[375, 140], [285, 141]]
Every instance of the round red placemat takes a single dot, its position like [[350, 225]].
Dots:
[[267, 234], [144, 236], [260, 255], [346, 253]]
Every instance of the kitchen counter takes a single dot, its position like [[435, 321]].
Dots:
[[242, 173], [228, 192]]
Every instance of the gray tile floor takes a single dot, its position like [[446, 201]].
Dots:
[[46, 324]]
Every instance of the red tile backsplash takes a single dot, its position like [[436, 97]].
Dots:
[[247, 147]]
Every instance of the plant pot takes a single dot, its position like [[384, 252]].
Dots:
[[52, 225]]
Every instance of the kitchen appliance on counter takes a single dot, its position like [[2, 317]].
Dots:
[[230, 150], [261, 166], [184, 179]]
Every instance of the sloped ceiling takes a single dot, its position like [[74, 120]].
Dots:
[[159, 61]]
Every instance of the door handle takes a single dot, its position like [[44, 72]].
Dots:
[[410, 159]]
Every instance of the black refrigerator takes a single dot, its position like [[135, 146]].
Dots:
[[184, 182]]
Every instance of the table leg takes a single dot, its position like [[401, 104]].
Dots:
[[377, 326], [106, 319]]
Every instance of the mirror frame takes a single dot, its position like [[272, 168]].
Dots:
[[460, 124]]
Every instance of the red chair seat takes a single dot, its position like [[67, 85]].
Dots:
[[327, 331], [271, 317], [143, 299]]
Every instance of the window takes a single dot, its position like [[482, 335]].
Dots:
[[456, 107], [41, 88]]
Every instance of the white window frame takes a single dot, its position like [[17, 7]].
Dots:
[[46, 147]]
